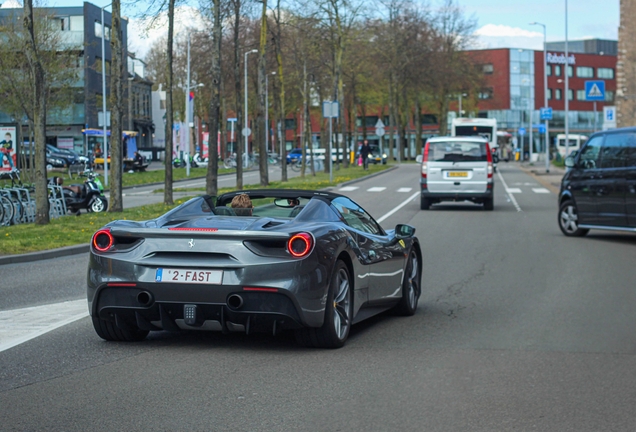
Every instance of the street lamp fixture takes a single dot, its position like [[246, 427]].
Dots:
[[545, 94], [246, 127]]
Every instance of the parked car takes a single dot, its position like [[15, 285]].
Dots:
[[310, 261], [294, 155], [598, 191], [53, 159], [375, 155], [71, 156], [457, 169]]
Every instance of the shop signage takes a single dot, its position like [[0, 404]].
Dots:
[[552, 58]]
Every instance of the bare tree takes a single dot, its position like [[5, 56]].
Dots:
[[118, 68], [262, 128], [211, 184], [39, 117]]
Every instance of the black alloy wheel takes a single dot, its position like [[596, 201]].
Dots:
[[411, 287]]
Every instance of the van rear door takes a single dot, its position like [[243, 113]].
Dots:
[[458, 167]]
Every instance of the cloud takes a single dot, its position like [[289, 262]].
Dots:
[[503, 36], [11, 4], [141, 35]]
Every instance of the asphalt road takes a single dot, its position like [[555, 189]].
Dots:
[[518, 328]]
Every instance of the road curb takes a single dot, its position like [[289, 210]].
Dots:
[[46, 254], [366, 177], [544, 178]]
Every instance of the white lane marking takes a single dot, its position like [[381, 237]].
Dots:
[[376, 189], [540, 190], [512, 197], [405, 190], [348, 188], [21, 325], [405, 202], [513, 190]]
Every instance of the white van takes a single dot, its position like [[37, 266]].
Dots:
[[576, 141], [457, 169]]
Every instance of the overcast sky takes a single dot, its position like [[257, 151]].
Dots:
[[500, 23]]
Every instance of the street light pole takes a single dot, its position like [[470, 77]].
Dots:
[[545, 95], [105, 152], [567, 90], [246, 122], [187, 113]]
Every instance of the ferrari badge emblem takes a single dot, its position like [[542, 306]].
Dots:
[[191, 243], [401, 243]]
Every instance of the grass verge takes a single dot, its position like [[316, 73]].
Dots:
[[73, 230]]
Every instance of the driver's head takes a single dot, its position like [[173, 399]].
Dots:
[[293, 201]]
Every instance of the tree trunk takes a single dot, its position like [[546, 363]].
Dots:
[[116, 103], [262, 128], [417, 121], [167, 194], [211, 178], [39, 93], [363, 121]]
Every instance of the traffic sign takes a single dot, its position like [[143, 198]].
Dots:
[[541, 128], [246, 132], [546, 113], [330, 109], [595, 90], [379, 131], [379, 124], [522, 131]]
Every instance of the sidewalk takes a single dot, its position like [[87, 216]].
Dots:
[[550, 180]]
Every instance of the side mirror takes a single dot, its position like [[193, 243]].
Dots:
[[404, 231], [418, 159], [569, 161]]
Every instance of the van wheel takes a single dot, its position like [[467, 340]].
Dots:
[[569, 220], [425, 203], [489, 204]]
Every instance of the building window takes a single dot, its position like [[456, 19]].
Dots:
[[585, 72], [570, 94], [487, 69], [524, 68], [290, 124], [369, 121], [485, 94], [605, 73], [559, 94], [548, 70], [98, 31], [429, 119], [580, 95], [609, 96], [549, 94], [557, 70], [98, 65], [570, 71], [61, 23]]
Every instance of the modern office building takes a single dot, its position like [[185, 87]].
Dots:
[[82, 31]]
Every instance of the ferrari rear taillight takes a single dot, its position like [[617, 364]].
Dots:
[[300, 245], [103, 240]]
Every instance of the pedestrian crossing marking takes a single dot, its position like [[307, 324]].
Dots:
[[540, 190], [348, 188], [405, 190], [513, 190], [376, 189]]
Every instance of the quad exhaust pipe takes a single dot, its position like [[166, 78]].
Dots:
[[235, 301]]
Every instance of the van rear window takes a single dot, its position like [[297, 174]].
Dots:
[[457, 151]]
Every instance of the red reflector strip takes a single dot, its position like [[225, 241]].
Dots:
[[193, 229], [260, 289], [120, 284]]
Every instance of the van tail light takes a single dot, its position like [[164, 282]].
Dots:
[[103, 240], [425, 160], [489, 159], [300, 245]]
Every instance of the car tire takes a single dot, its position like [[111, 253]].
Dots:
[[489, 204], [425, 203], [107, 330], [569, 220], [411, 287], [338, 314], [98, 205]]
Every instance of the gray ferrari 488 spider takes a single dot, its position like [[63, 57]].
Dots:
[[310, 261]]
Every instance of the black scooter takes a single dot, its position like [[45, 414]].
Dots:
[[89, 195]]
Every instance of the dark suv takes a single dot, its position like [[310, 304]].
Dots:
[[599, 189]]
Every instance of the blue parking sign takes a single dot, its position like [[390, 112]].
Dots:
[[546, 113], [541, 128], [522, 131]]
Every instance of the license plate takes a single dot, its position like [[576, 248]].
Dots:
[[191, 276], [458, 173]]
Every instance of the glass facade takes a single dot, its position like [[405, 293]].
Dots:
[[521, 87]]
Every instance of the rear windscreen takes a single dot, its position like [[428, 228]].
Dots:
[[457, 152], [482, 131]]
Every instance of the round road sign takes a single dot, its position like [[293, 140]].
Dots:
[[246, 132], [379, 131]]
